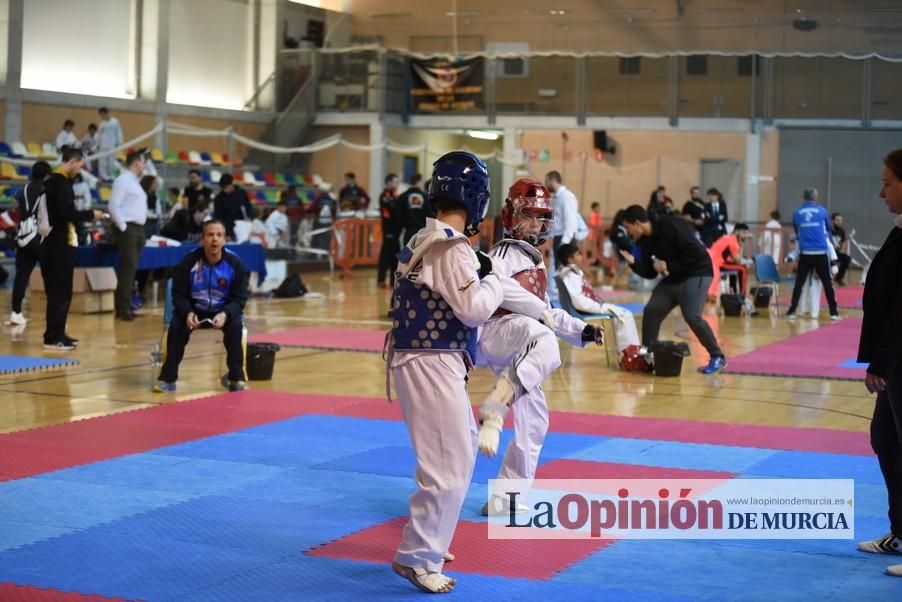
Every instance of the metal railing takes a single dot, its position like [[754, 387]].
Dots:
[[755, 87]]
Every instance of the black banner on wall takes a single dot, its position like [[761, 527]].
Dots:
[[441, 85]]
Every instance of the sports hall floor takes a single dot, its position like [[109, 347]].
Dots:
[[296, 489]]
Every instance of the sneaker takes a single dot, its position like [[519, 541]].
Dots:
[[232, 385], [715, 365], [501, 507], [70, 341], [17, 319], [163, 387], [835, 318], [790, 316], [888, 544], [61, 345]]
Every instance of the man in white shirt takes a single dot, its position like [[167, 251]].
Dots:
[[66, 137], [108, 136], [565, 225], [128, 210]]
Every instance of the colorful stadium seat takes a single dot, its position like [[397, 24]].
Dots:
[[194, 158], [156, 155], [5, 150], [105, 193], [217, 159], [20, 150], [24, 171], [215, 174], [272, 196], [251, 179], [205, 158], [7, 171], [205, 176], [48, 151], [34, 150], [183, 157]]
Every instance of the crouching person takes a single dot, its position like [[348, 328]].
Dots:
[[209, 290]]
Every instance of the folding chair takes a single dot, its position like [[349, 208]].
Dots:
[[607, 319], [766, 274]]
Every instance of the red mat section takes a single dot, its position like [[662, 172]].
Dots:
[[342, 339], [535, 559], [11, 592], [585, 469], [847, 297], [819, 353], [28, 453], [37, 451]]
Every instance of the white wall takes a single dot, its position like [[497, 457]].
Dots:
[[84, 47], [211, 53]]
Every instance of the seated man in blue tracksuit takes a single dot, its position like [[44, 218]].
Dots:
[[814, 233], [209, 290]]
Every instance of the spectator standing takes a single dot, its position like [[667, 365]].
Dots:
[[28, 241], [669, 248], [90, 144], [841, 243], [880, 346], [58, 247], [596, 235], [564, 227], [231, 205], [128, 210], [772, 238], [659, 203], [813, 231], [694, 210], [412, 208], [209, 290], [109, 136], [352, 195], [391, 232], [196, 191], [278, 229], [715, 217], [66, 137]]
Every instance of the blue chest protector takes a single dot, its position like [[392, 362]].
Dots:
[[422, 320]]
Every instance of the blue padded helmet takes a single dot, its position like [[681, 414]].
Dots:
[[463, 178]]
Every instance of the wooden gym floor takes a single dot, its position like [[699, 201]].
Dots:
[[115, 374]]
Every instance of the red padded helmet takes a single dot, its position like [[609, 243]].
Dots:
[[528, 211], [634, 360]]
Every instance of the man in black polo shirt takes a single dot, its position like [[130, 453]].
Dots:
[[694, 210], [412, 209], [670, 248]]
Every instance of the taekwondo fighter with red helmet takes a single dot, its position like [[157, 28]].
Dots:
[[443, 292], [520, 350]]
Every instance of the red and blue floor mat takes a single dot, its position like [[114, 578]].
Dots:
[[276, 496]]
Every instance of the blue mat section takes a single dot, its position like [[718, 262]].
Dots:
[[229, 518], [635, 308], [852, 363], [812, 465], [674, 454], [22, 363]]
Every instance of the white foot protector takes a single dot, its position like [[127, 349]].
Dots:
[[431, 583], [448, 557], [492, 413]]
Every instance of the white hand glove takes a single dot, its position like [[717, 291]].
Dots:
[[490, 435], [491, 421], [547, 319]]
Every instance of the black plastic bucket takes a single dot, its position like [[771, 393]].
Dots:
[[669, 357], [261, 359]]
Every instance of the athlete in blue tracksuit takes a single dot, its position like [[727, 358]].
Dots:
[[813, 232], [209, 290]]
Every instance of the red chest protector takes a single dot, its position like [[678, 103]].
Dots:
[[534, 279], [590, 292]]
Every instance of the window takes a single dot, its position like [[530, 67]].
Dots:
[[697, 64], [513, 67], [629, 65]]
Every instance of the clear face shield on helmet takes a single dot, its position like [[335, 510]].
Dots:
[[531, 223]]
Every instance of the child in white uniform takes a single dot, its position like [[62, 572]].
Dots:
[[522, 352], [585, 300], [443, 292]]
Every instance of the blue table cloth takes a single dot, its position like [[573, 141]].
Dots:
[[163, 257]]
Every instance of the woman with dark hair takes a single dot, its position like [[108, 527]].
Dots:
[[880, 346], [659, 203]]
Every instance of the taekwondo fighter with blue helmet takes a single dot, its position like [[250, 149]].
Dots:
[[522, 352], [443, 292]]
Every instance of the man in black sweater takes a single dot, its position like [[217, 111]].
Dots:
[[58, 247], [670, 248], [412, 209], [391, 231], [231, 205]]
